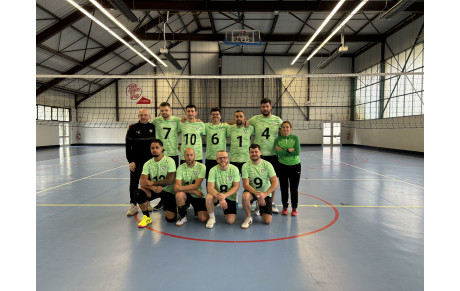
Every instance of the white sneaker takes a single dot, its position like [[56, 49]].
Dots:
[[132, 210], [149, 207], [181, 221], [211, 222], [256, 209], [274, 209], [247, 222]]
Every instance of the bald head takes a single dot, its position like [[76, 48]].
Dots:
[[189, 156], [144, 116]]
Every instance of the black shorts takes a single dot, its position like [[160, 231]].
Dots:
[[169, 201], [238, 165], [267, 209], [231, 209], [273, 160], [209, 164], [199, 204]]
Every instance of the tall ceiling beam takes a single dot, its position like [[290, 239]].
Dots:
[[61, 24], [260, 6], [154, 22]]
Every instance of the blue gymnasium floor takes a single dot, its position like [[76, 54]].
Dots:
[[360, 227]]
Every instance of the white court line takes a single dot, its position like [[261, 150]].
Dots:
[[388, 177], [80, 179]]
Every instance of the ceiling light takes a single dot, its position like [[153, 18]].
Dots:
[[127, 31], [108, 29], [319, 29], [338, 28], [329, 60]]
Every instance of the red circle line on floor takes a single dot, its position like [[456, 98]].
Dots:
[[256, 241]]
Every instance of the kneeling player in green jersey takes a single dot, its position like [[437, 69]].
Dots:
[[259, 181], [188, 188], [223, 184], [157, 181]]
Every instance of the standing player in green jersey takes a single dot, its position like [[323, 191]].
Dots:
[[216, 138], [223, 184], [259, 181], [188, 188], [157, 181], [191, 134], [167, 130], [240, 140], [267, 127]]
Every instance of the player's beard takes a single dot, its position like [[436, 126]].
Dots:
[[266, 113], [155, 156], [255, 159], [239, 122]]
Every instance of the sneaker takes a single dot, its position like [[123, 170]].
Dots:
[[294, 212], [256, 209], [211, 222], [247, 222], [284, 211], [149, 207], [181, 221], [157, 207], [132, 210], [274, 209], [145, 221]]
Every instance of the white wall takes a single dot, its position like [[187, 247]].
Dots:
[[100, 135], [46, 135]]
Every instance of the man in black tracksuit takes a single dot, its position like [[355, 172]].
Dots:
[[138, 140]]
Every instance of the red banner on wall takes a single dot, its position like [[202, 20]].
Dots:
[[144, 101]]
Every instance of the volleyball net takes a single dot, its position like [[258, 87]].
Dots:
[[365, 100]]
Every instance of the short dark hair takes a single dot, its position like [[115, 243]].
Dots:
[[214, 109], [190, 106], [165, 104], [156, 141], [254, 146], [239, 110], [265, 100]]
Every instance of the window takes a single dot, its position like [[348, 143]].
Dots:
[[52, 113], [402, 95]]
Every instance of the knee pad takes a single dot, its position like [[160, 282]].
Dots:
[[141, 196]]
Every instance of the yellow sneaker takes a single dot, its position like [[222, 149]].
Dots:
[[145, 221]]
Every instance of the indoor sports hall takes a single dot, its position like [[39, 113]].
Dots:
[[347, 75]]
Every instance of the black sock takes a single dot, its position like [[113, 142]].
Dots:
[[182, 210], [146, 213]]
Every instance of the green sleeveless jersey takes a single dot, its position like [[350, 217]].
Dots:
[[259, 175], [189, 175], [159, 170], [167, 131], [240, 140], [216, 139], [267, 129], [223, 180], [191, 138]]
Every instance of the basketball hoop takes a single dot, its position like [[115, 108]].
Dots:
[[243, 37]]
